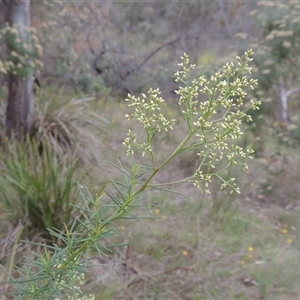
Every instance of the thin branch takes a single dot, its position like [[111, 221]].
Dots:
[[148, 57]]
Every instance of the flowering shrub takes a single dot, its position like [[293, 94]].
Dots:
[[212, 127], [23, 55]]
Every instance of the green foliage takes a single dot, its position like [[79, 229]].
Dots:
[[101, 89], [61, 39], [277, 48], [277, 60], [37, 186]]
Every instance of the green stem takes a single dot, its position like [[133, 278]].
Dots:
[[169, 183], [175, 152]]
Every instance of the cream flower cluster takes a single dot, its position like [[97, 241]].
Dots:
[[217, 121], [214, 120], [146, 110]]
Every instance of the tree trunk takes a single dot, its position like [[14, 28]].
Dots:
[[19, 112]]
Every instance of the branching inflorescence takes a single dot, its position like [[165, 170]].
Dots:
[[212, 124], [212, 128]]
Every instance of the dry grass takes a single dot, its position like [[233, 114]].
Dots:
[[68, 123], [189, 255], [208, 247]]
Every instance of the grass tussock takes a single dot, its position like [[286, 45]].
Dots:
[[37, 187], [69, 124], [39, 176]]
